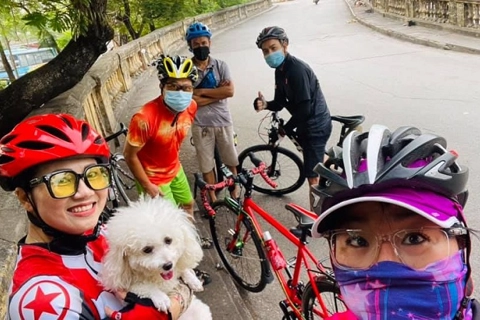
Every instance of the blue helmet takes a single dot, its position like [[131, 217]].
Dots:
[[197, 29]]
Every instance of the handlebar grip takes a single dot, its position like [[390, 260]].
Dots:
[[199, 180], [260, 169], [123, 130], [254, 159], [267, 179]]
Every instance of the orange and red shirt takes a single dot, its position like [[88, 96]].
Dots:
[[159, 133]]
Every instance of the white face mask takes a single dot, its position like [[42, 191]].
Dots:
[[178, 101]]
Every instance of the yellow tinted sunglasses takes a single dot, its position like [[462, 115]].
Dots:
[[64, 183]]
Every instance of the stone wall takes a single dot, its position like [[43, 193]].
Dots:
[[462, 16], [109, 84]]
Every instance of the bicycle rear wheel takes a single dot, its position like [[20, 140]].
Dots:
[[239, 247], [123, 180], [330, 294], [283, 166]]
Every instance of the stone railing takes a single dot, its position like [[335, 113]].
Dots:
[[462, 15], [108, 85]]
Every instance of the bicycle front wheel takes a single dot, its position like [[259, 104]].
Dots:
[[283, 166], [239, 247], [330, 295]]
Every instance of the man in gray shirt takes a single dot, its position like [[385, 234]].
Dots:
[[213, 124]]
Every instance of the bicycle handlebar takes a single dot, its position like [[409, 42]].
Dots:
[[123, 130], [230, 181]]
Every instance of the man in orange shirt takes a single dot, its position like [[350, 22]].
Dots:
[[157, 131]]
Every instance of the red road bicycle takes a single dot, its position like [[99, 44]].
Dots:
[[241, 245]]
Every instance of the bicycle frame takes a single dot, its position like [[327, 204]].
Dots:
[[291, 284]]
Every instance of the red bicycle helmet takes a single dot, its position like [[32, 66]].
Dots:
[[45, 138]]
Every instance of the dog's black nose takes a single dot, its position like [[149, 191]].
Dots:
[[167, 266]]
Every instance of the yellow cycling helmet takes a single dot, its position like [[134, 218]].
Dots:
[[178, 67]]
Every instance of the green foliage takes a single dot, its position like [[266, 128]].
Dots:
[[4, 83], [63, 20], [63, 39], [58, 15], [156, 13]]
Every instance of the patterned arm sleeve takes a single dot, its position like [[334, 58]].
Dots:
[[50, 297]]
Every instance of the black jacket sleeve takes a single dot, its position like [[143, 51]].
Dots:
[[299, 117]]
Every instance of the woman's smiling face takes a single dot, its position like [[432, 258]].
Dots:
[[73, 215]]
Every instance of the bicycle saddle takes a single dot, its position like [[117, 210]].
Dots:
[[349, 121], [304, 218]]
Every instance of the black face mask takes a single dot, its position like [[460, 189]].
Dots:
[[201, 53]]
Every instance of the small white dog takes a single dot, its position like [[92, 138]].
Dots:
[[152, 244]]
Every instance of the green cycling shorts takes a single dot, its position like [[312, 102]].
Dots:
[[177, 190]]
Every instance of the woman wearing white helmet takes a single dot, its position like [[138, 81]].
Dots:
[[392, 213]]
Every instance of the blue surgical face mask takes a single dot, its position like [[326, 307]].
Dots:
[[275, 59], [392, 290], [178, 101]]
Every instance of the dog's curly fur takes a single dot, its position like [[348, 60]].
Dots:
[[152, 244]]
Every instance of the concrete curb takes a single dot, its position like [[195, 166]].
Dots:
[[410, 38]]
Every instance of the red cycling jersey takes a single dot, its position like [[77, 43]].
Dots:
[[50, 285], [159, 133]]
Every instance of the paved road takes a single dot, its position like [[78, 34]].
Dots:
[[361, 72]]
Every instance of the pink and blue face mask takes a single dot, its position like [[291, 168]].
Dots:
[[392, 290]]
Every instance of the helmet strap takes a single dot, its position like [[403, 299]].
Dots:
[[57, 235]]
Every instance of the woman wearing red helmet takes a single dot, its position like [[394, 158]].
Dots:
[[58, 167]]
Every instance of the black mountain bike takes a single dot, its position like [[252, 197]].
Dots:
[[122, 179], [284, 166]]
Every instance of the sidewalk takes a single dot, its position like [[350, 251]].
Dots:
[[432, 37]]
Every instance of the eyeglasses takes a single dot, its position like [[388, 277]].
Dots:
[[416, 248], [64, 183], [178, 87]]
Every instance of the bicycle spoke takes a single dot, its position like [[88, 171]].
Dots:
[[239, 248]]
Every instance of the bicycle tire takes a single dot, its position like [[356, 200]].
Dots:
[[122, 179], [248, 267], [287, 172], [330, 293]]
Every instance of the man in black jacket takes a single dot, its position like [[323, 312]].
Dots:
[[297, 89]]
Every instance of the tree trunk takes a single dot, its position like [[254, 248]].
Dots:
[[128, 24], [6, 64], [59, 75], [126, 20], [152, 26]]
